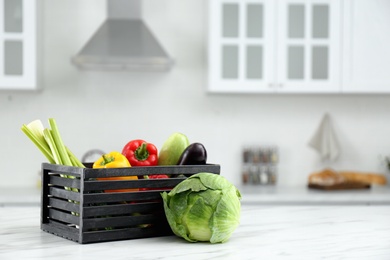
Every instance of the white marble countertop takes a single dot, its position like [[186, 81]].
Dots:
[[265, 232]]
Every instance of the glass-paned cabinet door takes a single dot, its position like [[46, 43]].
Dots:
[[18, 52], [309, 46], [241, 46]]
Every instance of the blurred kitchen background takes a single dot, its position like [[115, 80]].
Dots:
[[104, 109]]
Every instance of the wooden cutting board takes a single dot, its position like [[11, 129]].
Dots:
[[343, 186]]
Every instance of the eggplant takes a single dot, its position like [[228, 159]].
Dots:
[[194, 154]]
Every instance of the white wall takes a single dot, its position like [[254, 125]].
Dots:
[[107, 109]]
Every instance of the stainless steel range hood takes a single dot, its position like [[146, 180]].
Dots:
[[123, 42]]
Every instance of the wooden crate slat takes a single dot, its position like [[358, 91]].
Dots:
[[121, 209], [61, 230], [122, 234], [63, 169], [64, 182], [64, 205], [150, 170], [64, 217], [64, 194], [121, 196], [125, 221], [94, 185]]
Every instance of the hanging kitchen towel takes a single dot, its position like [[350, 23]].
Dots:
[[324, 140]]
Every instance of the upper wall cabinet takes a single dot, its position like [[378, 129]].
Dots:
[[18, 44], [366, 46], [308, 40], [274, 46], [242, 46]]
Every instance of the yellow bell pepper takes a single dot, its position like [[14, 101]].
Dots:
[[114, 160]]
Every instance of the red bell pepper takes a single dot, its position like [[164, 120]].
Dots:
[[155, 176], [140, 153]]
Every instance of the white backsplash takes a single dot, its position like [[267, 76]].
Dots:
[[107, 109]]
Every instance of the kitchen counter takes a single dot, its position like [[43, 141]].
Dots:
[[265, 232], [275, 195], [252, 194], [20, 197]]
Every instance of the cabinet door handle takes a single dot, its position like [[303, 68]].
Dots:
[[275, 85]]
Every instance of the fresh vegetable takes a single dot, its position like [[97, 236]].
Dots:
[[194, 154], [49, 142], [114, 160], [155, 176], [59, 143], [140, 153], [34, 131], [172, 149], [111, 160], [204, 207]]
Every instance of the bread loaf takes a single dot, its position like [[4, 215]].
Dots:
[[330, 177], [363, 177], [327, 177]]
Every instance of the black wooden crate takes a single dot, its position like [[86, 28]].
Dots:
[[75, 205]]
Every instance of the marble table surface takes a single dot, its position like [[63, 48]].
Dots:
[[265, 232]]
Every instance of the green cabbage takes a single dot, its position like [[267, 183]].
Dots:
[[204, 207]]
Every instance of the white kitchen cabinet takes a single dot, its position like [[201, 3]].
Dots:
[[18, 44], [308, 53], [274, 46], [241, 46], [366, 41]]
